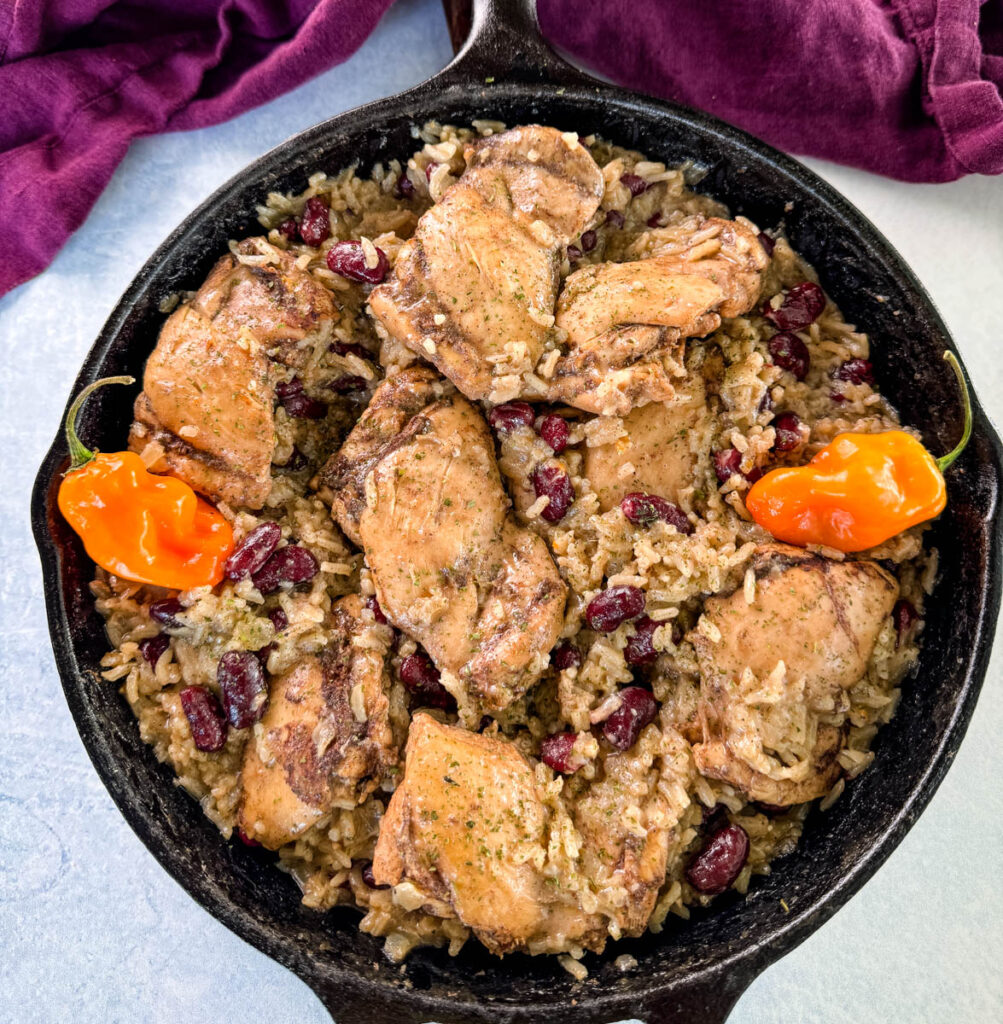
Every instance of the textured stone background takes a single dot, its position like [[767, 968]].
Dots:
[[92, 930]]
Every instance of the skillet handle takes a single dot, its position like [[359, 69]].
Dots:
[[501, 39], [707, 1000]]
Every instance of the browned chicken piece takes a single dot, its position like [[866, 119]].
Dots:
[[327, 736], [451, 566], [625, 321], [660, 452], [208, 403], [466, 835], [277, 304], [206, 397], [537, 175], [464, 828], [774, 686], [473, 291]]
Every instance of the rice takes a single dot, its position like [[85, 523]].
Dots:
[[593, 549]]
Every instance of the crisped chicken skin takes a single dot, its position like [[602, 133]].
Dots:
[[625, 321], [658, 455], [479, 278], [451, 566], [207, 399], [326, 737], [774, 686]]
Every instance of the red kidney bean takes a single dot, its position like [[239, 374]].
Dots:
[[801, 307], [566, 655], [242, 683], [788, 433], [506, 417], [640, 648], [204, 718], [613, 607], [374, 606], [614, 218], [253, 551], [635, 183], [153, 647], [369, 878], [291, 564], [905, 617], [315, 224], [551, 479], [279, 619], [855, 371], [349, 260], [655, 221], [790, 353], [556, 752], [645, 509], [726, 462], [772, 809], [287, 388], [720, 861], [754, 474], [347, 384], [166, 612], [344, 348], [422, 680], [403, 187], [589, 239], [289, 228], [574, 253], [429, 167], [245, 839], [767, 243], [554, 430], [623, 727]]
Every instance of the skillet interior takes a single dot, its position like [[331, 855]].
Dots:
[[701, 966]]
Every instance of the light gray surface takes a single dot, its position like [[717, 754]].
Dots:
[[91, 928]]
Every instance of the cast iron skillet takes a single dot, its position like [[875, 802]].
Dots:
[[694, 970]]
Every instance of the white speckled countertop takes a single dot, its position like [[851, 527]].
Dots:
[[93, 930]]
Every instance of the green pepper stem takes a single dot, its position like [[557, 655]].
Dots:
[[966, 400], [79, 455]]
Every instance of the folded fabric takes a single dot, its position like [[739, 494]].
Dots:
[[907, 88]]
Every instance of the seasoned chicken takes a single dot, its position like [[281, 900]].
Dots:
[[464, 828], [625, 321], [276, 304], [774, 686], [467, 835], [327, 736], [660, 452], [420, 488], [474, 290], [208, 403], [207, 399]]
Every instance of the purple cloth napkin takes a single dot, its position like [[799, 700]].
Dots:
[[907, 88]]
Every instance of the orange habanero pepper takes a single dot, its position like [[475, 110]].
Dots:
[[137, 525], [859, 490]]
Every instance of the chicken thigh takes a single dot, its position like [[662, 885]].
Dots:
[[420, 489], [775, 673], [207, 398], [474, 290], [326, 737]]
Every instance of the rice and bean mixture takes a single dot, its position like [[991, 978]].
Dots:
[[759, 417]]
